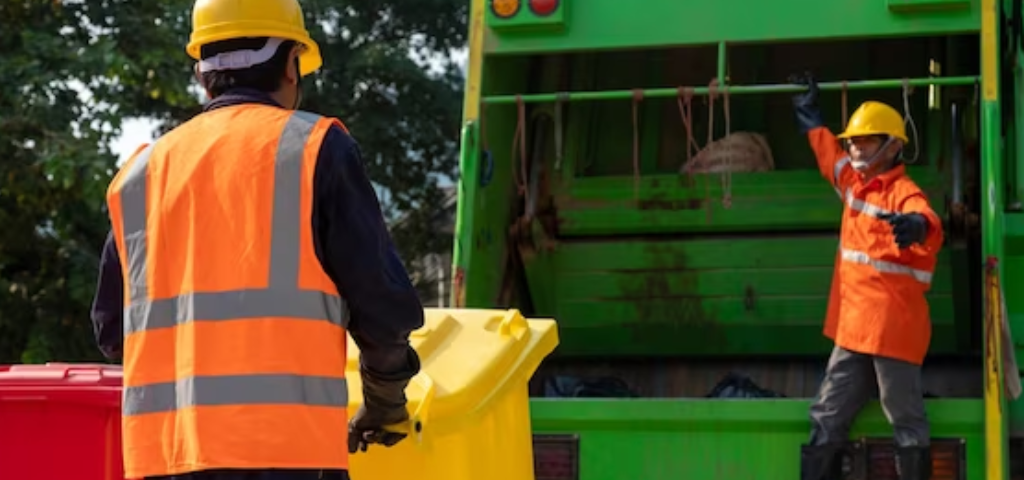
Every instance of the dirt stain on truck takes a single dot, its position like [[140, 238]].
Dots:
[[666, 200], [668, 304]]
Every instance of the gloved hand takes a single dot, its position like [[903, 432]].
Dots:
[[808, 115], [368, 426], [909, 228], [383, 406]]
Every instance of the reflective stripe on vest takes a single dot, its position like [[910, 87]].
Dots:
[[836, 170], [862, 258], [853, 202], [282, 297], [864, 207], [855, 256], [279, 389]]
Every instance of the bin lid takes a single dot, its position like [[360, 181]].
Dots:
[[61, 375], [468, 358]]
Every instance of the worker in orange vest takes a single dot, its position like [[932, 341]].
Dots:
[[247, 243], [878, 315]]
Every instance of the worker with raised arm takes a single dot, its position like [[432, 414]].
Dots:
[[878, 315], [247, 243]]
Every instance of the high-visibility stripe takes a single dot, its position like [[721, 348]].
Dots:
[[133, 223], [852, 201], [842, 163], [261, 389], [873, 210], [864, 207], [883, 266], [231, 305], [836, 170], [282, 298], [286, 219]]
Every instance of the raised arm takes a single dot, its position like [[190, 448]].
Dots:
[[827, 150]]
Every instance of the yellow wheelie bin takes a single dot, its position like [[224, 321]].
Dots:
[[469, 405]]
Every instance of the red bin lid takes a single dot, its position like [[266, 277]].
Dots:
[[67, 375]]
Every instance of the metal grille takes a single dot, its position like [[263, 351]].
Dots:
[[556, 457], [1016, 459], [875, 459]]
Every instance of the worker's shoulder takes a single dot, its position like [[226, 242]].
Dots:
[[338, 151], [904, 187], [338, 142], [313, 117]]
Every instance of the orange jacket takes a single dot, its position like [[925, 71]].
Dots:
[[234, 348], [877, 305]]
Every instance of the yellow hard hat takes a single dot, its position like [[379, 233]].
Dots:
[[875, 118], [219, 20]]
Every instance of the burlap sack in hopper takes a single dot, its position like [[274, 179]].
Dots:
[[737, 152]]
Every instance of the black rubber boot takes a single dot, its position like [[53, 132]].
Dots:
[[822, 462], [914, 463]]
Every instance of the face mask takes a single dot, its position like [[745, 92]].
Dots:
[[866, 166]]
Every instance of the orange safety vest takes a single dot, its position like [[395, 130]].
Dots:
[[234, 347], [877, 303]]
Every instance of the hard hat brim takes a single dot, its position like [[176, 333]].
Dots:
[[867, 133]]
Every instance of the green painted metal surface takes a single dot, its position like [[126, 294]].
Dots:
[[593, 24], [572, 206], [762, 295], [794, 200], [720, 440]]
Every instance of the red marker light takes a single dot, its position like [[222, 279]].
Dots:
[[543, 8]]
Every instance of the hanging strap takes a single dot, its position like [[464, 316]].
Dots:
[[908, 119], [712, 96], [638, 97], [727, 174], [560, 101], [843, 104], [519, 144], [684, 101]]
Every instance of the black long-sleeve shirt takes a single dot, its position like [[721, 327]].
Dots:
[[351, 242]]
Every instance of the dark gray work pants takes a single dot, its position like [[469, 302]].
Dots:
[[851, 379], [268, 474]]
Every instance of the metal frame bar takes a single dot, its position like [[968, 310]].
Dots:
[[731, 89]]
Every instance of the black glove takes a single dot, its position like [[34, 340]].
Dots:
[[909, 228], [808, 115], [383, 406]]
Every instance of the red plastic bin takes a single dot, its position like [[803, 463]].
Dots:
[[60, 421]]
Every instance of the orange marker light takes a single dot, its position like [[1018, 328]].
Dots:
[[543, 8], [505, 8]]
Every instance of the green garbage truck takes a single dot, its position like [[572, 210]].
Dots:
[[633, 170]]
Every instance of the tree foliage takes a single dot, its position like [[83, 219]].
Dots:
[[74, 70]]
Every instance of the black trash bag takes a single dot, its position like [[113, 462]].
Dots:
[[735, 385], [575, 387]]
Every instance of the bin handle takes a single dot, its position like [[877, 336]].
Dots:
[[72, 368], [513, 324], [419, 416]]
